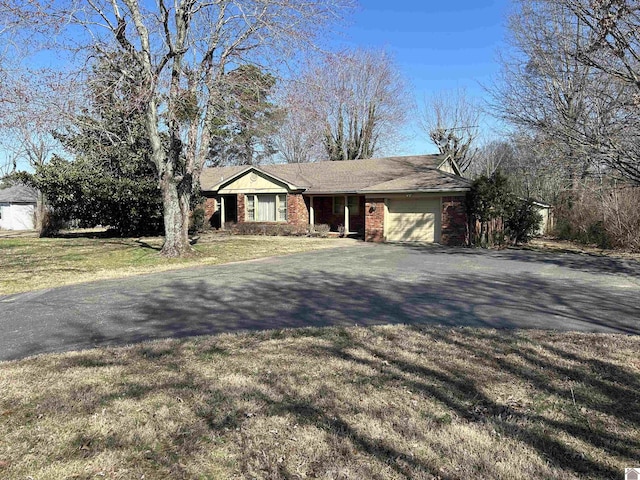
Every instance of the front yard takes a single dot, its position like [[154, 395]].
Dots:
[[358, 403], [29, 263]]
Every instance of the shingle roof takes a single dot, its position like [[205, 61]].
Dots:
[[432, 180], [410, 173], [18, 194]]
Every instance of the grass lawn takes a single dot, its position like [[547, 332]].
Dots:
[[35, 263], [358, 403]]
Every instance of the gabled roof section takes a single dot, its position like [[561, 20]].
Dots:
[[226, 175], [19, 194], [448, 159], [417, 171]]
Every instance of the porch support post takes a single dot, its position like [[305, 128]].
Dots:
[[346, 215], [312, 213], [222, 215]]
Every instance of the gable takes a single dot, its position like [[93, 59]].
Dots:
[[449, 166], [253, 181]]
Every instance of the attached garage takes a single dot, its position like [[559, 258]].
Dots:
[[413, 220]]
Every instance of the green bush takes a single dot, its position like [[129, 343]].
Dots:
[[522, 221], [196, 221], [501, 215]]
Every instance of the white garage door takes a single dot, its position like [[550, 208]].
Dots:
[[414, 220], [16, 216]]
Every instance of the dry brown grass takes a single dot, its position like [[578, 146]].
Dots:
[[29, 263], [566, 246], [357, 403]]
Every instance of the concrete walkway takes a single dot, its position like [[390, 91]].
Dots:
[[364, 284]]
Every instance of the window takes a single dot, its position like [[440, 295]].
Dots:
[[354, 205], [282, 208], [266, 208], [251, 208], [352, 202], [338, 205]]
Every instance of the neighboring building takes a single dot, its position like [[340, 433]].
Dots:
[[17, 208], [546, 224], [411, 199]]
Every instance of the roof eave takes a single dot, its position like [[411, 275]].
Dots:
[[335, 192], [413, 190]]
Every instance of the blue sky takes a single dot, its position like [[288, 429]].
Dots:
[[438, 45]]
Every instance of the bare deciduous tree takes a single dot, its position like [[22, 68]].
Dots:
[[351, 105], [32, 107], [182, 50], [491, 156], [299, 138], [571, 77], [451, 120]]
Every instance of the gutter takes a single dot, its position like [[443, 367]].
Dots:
[[386, 192]]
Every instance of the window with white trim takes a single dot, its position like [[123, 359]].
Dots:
[[266, 208]]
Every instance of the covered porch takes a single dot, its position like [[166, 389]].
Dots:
[[343, 213]]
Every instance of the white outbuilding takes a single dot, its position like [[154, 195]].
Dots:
[[18, 208]]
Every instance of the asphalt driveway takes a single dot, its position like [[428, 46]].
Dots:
[[364, 285]]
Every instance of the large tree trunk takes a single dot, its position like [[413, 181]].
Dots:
[[40, 212], [176, 219]]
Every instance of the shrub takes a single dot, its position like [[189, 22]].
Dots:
[[269, 229], [502, 217], [522, 221], [322, 230], [605, 215], [196, 220]]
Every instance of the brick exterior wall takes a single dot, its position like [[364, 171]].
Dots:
[[454, 221], [210, 205], [374, 220], [297, 210], [240, 200]]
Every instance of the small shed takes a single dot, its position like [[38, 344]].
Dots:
[[18, 207], [545, 210]]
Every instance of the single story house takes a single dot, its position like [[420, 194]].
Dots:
[[18, 207], [409, 199]]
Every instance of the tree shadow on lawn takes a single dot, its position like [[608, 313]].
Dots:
[[220, 411], [462, 393]]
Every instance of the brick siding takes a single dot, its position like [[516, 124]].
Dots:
[[374, 220], [297, 210], [210, 206], [240, 204], [454, 221]]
